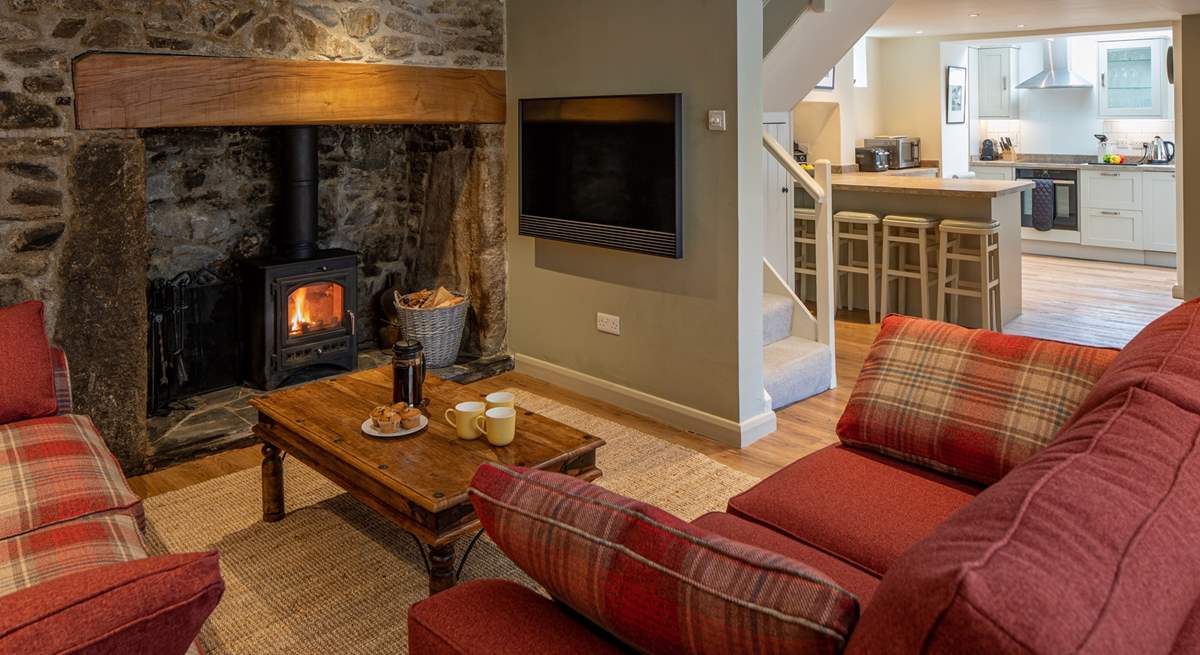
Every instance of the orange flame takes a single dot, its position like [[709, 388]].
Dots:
[[298, 317], [315, 307]]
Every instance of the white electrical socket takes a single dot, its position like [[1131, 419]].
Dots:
[[608, 323]]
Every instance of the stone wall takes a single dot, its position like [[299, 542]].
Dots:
[[86, 216], [409, 199]]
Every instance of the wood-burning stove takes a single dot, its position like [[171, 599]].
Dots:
[[300, 303]]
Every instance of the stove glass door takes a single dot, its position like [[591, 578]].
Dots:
[[314, 308]]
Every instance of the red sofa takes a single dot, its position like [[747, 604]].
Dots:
[[1089, 546], [75, 576]]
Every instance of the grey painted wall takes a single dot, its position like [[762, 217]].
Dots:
[[681, 319]]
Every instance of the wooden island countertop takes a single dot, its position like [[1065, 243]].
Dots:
[[927, 186]]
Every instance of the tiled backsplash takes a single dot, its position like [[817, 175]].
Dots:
[[1125, 136]]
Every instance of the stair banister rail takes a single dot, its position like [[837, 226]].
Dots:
[[819, 186]]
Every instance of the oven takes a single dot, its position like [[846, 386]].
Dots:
[[1066, 197]]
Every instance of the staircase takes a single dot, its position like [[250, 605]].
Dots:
[[798, 346], [803, 39], [794, 367]]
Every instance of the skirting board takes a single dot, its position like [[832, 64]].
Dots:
[[722, 430], [1097, 253]]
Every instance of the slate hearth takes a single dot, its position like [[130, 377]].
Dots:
[[222, 419]]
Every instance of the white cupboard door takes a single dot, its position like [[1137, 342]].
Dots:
[[1160, 212], [1112, 189], [777, 206], [993, 172], [995, 79], [1132, 78], [1113, 228]]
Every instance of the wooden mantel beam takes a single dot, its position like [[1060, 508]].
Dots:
[[139, 91]]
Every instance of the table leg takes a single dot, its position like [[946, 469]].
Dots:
[[441, 568], [272, 484]]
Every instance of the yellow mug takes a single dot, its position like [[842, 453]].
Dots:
[[501, 399], [499, 424], [462, 419]]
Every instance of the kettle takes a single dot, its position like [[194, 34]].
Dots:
[[1161, 152]]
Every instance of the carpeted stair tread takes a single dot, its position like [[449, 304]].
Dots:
[[795, 369], [777, 318]]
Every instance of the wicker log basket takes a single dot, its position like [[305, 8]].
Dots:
[[439, 329]]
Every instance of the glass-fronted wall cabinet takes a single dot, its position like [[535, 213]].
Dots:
[[1133, 78]]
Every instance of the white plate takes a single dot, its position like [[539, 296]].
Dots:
[[370, 429]]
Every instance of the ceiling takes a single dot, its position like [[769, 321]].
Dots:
[[943, 17]]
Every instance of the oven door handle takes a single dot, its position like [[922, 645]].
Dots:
[[1063, 183]]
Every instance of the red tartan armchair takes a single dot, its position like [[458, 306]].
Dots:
[[74, 572], [1082, 540]]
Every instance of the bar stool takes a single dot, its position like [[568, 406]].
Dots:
[[806, 250], [907, 233], [851, 228], [953, 252]]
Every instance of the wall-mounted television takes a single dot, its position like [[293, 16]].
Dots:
[[604, 171]]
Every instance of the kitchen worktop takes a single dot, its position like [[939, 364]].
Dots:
[[927, 186], [986, 201], [1075, 166]]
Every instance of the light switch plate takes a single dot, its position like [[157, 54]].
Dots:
[[608, 323], [716, 120]]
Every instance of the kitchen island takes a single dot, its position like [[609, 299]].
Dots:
[[978, 200]]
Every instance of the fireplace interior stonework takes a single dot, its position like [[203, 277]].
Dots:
[[88, 218]]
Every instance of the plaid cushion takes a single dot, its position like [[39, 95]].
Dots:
[[66, 548], [55, 469], [970, 403], [657, 583], [62, 382]]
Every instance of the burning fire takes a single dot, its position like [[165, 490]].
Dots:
[[314, 308], [296, 326]]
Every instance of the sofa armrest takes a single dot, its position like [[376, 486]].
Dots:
[[62, 382]]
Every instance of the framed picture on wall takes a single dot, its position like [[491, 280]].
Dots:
[[956, 95], [827, 81]]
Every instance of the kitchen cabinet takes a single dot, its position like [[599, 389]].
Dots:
[[1160, 217], [1132, 78], [1112, 189], [1112, 228], [996, 85], [993, 172]]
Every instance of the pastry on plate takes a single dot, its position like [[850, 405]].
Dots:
[[410, 418], [385, 419]]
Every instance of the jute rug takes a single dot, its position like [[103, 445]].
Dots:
[[334, 577]]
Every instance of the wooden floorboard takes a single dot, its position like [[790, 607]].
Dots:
[[1067, 300]]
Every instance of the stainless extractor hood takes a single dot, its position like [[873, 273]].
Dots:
[[1056, 69]]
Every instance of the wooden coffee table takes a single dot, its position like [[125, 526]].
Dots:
[[419, 482]]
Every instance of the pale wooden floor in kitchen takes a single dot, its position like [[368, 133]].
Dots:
[[1065, 299]]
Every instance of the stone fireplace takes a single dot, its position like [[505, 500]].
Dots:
[[90, 219]]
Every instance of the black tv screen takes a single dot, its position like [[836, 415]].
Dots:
[[604, 171]]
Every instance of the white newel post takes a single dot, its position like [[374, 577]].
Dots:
[[826, 334]]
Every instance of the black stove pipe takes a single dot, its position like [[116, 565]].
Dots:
[[295, 224]]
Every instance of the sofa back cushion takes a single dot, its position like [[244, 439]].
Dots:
[[1089, 547], [1163, 359], [27, 383], [970, 403], [653, 581], [155, 605]]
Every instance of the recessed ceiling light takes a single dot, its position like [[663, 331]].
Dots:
[[1021, 25], [920, 31], [972, 15]]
